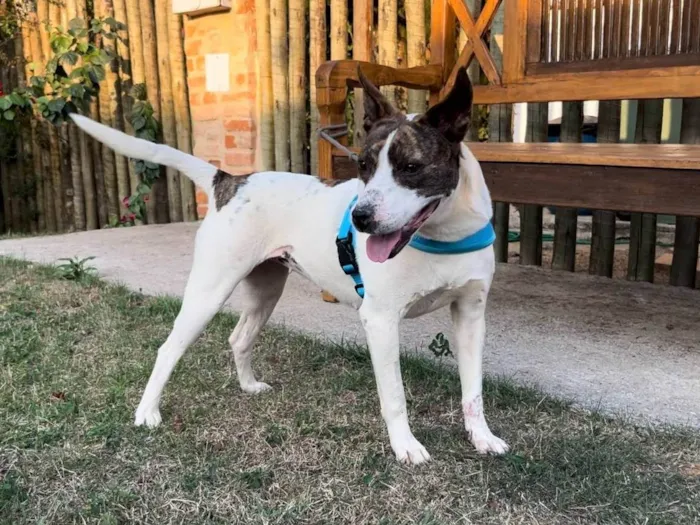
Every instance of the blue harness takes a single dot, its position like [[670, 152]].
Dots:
[[347, 238]]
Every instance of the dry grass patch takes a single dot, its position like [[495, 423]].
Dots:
[[74, 356]]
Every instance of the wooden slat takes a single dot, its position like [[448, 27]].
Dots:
[[546, 51], [598, 39], [534, 29], [661, 156], [662, 44], [571, 32], [676, 26], [608, 27], [678, 82], [694, 33], [556, 36], [616, 12], [588, 30], [636, 16], [581, 11], [646, 25], [442, 37], [604, 188], [515, 46], [626, 18], [685, 26]]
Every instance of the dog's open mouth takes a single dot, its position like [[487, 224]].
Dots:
[[381, 248]]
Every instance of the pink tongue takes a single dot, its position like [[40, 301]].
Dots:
[[379, 246]]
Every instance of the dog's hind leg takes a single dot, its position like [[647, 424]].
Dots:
[[210, 283], [261, 289], [468, 316]]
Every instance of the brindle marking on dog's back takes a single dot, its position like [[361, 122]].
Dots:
[[226, 186], [331, 182]]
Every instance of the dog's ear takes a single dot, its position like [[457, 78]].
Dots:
[[452, 116], [376, 104]]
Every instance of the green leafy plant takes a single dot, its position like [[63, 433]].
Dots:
[[75, 269], [440, 346]]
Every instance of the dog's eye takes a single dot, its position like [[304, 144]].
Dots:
[[412, 168], [362, 164]]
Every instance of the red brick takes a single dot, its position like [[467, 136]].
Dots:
[[244, 139], [201, 197], [210, 98], [190, 29], [230, 142], [196, 81], [239, 125], [245, 6], [191, 65], [240, 158], [195, 99], [193, 47], [244, 96]]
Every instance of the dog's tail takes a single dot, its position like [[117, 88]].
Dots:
[[201, 172]]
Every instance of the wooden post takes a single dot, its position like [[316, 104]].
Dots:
[[280, 86], [317, 55], [642, 252], [685, 245], [564, 256], [339, 29], [530, 214], [167, 107], [30, 149], [500, 130], [265, 98], [297, 85], [603, 227], [442, 30]]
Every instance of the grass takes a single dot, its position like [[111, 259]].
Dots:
[[75, 355]]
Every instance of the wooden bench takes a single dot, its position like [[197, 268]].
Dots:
[[647, 178]]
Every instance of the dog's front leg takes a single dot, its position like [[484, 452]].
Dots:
[[382, 330], [468, 316]]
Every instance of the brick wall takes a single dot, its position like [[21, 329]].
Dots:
[[223, 123]]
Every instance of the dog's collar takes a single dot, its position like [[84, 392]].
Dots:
[[347, 238]]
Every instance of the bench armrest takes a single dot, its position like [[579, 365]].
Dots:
[[343, 74]]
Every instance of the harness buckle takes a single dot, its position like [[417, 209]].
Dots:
[[346, 255]]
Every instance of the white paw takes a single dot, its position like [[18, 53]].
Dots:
[[147, 416], [410, 451], [487, 443], [257, 387]]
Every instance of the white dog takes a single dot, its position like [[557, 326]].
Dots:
[[414, 174]]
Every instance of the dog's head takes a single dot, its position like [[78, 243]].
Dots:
[[408, 166]]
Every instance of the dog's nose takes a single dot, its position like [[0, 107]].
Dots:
[[362, 217]]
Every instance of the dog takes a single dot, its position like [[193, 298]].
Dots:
[[415, 173]]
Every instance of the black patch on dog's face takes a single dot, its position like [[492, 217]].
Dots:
[[226, 186], [424, 153]]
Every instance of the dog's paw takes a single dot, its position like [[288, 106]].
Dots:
[[148, 417], [410, 451], [258, 387], [487, 443]]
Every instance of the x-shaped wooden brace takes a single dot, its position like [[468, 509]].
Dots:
[[475, 44]]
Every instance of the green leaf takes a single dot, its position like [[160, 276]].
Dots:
[[138, 123], [70, 57], [76, 23], [17, 99], [9, 115], [77, 73], [56, 105], [5, 103], [149, 134], [77, 91], [152, 166]]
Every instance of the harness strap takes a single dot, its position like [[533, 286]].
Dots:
[[346, 244]]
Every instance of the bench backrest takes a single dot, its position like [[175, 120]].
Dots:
[[575, 49]]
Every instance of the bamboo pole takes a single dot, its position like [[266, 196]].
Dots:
[[182, 108], [387, 40], [30, 148], [167, 107], [138, 78], [362, 22], [317, 55], [297, 85], [280, 70], [35, 53], [87, 167], [9, 175], [339, 30], [415, 49], [114, 169], [265, 105], [50, 153], [157, 206], [126, 84]]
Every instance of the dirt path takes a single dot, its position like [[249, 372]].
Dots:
[[626, 347]]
